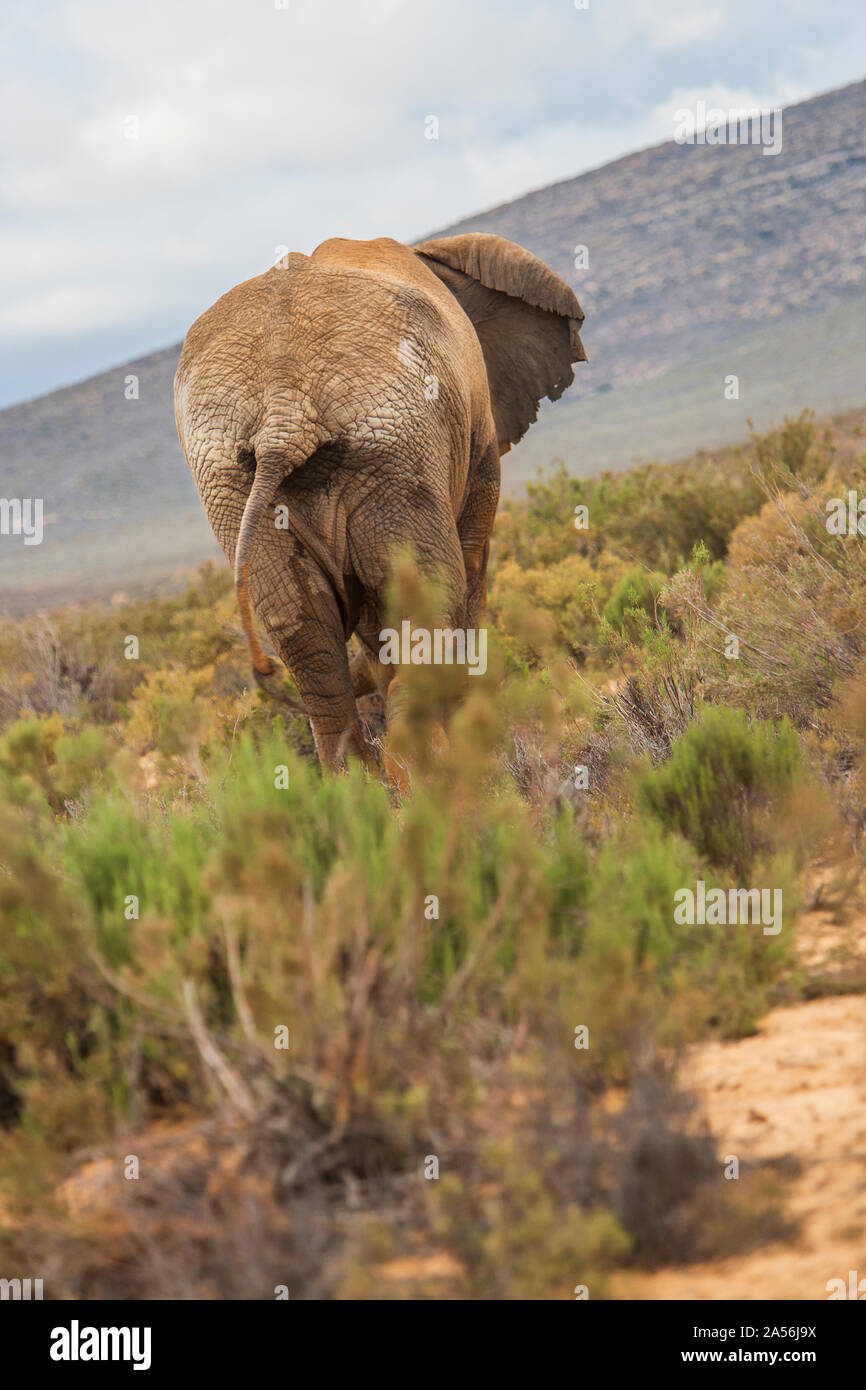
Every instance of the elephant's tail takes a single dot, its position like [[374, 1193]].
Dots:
[[272, 466]]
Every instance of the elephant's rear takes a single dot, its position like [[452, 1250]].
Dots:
[[218, 383], [310, 354]]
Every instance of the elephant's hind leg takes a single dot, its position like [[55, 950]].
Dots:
[[364, 681], [314, 650], [475, 525]]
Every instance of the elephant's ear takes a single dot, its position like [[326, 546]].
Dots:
[[527, 319]]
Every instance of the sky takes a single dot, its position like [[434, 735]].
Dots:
[[154, 154]]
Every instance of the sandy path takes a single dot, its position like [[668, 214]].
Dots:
[[797, 1089]]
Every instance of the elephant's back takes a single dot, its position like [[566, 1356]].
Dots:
[[384, 285], [377, 353]]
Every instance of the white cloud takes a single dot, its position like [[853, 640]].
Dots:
[[680, 25], [718, 96], [62, 310], [261, 127]]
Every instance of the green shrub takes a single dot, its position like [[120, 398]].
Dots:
[[635, 594], [178, 881], [724, 776]]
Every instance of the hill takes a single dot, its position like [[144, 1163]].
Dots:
[[703, 262]]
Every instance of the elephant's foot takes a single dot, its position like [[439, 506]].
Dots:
[[336, 751]]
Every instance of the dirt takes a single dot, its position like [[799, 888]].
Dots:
[[794, 1093]]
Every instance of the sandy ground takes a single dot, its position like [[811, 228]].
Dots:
[[794, 1091]]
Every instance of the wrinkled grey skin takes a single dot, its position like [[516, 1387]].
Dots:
[[354, 387]]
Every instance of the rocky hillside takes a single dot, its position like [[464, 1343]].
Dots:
[[702, 262], [692, 245]]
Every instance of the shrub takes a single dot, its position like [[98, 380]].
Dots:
[[723, 778], [179, 882]]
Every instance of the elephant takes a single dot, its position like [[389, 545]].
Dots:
[[363, 397]]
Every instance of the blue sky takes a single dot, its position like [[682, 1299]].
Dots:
[[260, 127]]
